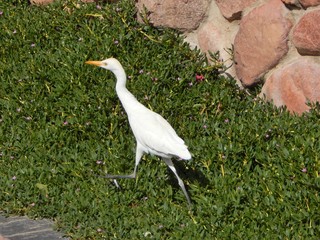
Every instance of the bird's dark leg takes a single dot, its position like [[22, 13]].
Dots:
[[139, 153], [169, 162]]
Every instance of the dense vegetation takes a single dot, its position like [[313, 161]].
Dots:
[[255, 169]]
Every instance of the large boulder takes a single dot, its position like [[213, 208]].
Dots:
[[217, 34], [309, 3], [261, 41], [184, 15], [306, 34], [294, 85]]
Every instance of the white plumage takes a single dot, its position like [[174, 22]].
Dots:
[[153, 133]]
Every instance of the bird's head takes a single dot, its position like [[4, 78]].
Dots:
[[111, 64]]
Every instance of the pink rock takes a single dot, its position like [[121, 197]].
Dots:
[[306, 34], [261, 41], [178, 14], [215, 36], [232, 9], [309, 3], [209, 37], [294, 85], [3, 238]]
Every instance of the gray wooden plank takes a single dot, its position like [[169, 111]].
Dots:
[[24, 228]]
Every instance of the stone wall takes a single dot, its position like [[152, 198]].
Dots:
[[275, 42]]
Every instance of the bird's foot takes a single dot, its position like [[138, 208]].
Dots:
[[116, 183]]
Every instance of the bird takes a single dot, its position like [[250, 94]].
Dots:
[[153, 134]]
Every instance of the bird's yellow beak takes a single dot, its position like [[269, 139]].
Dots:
[[96, 63]]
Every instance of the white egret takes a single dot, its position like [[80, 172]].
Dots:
[[153, 133]]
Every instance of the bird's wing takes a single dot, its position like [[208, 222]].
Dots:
[[157, 135]]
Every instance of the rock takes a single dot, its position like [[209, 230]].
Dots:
[[3, 238], [231, 9], [183, 15], [306, 34], [215, 36], [15, 227], [309, 3], [261, 41], [209, 36], [294, 85]]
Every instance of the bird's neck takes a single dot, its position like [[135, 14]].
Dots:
[[127, 99], [121, 79]]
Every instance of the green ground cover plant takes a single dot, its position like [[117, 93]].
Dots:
[[255, 169]]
